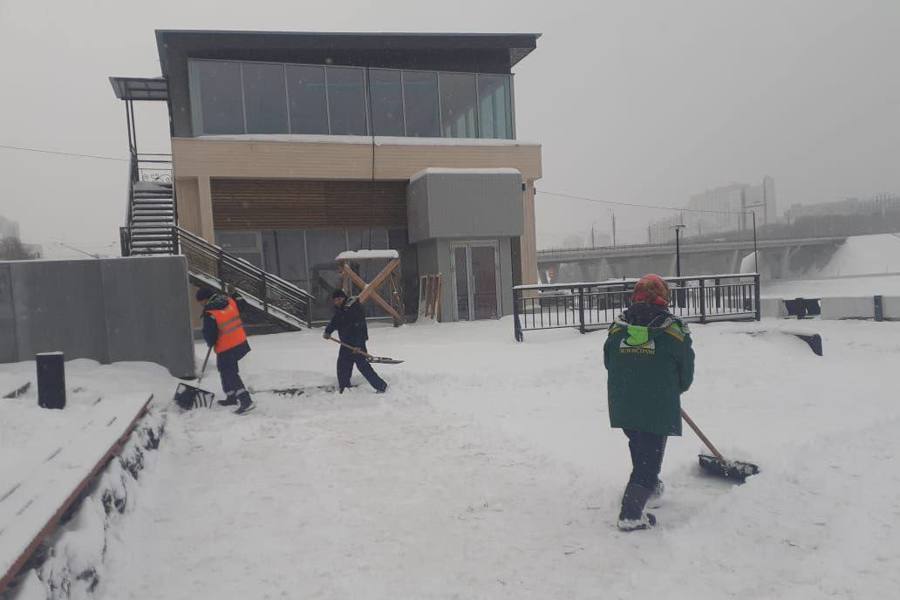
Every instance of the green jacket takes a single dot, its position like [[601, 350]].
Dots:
[[648, 370]]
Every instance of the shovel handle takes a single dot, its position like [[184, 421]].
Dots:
[[700, 435], [203, 369], [349, 347]]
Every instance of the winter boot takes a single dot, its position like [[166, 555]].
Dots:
[[632, 516], [655, 500], [646, 521], [230, 399], [247, 404]]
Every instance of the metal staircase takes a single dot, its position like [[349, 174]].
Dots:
[[151, 229], [151, 210]]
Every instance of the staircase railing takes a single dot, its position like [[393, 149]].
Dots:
[[211, 265], [145, 168]]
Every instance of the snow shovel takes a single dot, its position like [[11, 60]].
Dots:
[[717, 465], [381, 360], [189, 396]]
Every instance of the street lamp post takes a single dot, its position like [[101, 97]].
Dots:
[[679, 294], [678, 229]]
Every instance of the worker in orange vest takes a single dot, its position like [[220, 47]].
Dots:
[[224, 331]]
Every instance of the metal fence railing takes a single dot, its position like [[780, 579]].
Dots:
[[591, 306]]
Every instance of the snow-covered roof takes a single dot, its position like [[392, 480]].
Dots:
[[368, 255], [361, 139], [450, 171]]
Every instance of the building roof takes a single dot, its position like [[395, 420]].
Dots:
[[379, 49], [140, 88]]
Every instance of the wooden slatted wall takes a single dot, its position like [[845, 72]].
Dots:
[[259, 204]]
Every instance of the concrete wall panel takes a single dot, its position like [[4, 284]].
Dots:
[[148, 312], [107, 310], [8, 351], [59, 305]]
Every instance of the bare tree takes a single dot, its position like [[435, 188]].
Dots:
[[12, 248]]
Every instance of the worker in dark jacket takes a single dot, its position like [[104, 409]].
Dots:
[[223, 330], [349, 321], [650, 363]]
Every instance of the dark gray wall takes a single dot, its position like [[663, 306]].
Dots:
[[461, 203], [126, 309]]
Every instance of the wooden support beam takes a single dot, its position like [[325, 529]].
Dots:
[[361, 283]]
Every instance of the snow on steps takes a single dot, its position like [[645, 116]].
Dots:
[[37, 496]]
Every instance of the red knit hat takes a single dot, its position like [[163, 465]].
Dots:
[[651, 289]]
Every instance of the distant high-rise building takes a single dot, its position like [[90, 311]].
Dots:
[[720, 210], [8, 229]]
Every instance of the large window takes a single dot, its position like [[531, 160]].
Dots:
[[217, 97], [255, 97], [307, 99], [264, 100], [495, 106], [458, 105], [386, 90], [347, 100], [422, 108]]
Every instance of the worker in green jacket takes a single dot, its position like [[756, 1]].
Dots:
[[650, 363]]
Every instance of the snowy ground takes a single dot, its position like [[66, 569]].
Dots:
[[489, 471]]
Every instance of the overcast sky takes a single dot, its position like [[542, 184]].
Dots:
[[637, 101]]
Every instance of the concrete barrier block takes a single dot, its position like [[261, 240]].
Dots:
[[891, 308], [148, 311], [773, 308], [848, 308]]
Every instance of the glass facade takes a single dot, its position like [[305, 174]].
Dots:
[[305, 257], [229, 97]]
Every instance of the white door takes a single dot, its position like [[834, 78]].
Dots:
[[475, 271]]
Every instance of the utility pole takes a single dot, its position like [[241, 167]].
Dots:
[[593, 243], [613, 228]]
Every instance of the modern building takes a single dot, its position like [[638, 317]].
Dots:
[[720, 210], [289, 148]]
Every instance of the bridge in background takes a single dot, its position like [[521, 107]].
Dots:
[[777, 258]]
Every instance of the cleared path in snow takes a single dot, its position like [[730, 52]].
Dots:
[[489, 471]]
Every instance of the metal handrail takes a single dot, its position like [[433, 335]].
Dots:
[[588, 306], [209, 262]]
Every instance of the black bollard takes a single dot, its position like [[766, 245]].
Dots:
[[51, 379]]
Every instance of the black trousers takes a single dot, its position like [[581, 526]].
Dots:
[[347, 358], [647, 450], [232, 384]]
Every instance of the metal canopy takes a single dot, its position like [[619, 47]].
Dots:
[[140, 88], [379, 49]]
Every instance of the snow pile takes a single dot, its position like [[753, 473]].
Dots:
[[862, 255], [488, 470], [367, 255], [379, 140], [32, 437], [73, 565]]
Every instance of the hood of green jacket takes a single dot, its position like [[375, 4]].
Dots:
[[639, 335]]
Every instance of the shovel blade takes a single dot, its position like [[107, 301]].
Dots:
[[188, 397], [733, 470], [384, 360]]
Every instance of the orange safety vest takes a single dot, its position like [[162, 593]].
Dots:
[[231, 329]]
